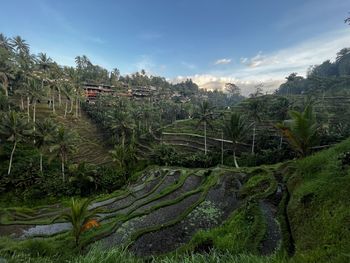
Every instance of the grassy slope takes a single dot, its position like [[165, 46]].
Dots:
[[91, 148], [318, 210], [318, 213]]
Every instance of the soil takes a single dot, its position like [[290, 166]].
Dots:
[[221, 200], [273, 232]]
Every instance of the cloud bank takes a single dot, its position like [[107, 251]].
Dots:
[[223, 61], [272, 68]]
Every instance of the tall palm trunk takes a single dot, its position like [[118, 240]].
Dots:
[[34, 112], [235, 158], [53, 103], [11, 157], [281, 141], [205, 138], [71, 105], [65, 110], [253, 145], [222, 147], [76, 107], [59, 98], [22, 103], [28, 112]]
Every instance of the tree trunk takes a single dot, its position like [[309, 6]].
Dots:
[[253, 145], [22, 103], [11, 157], [205, 138], [34, 112], [281, 140], [76, 108], [234, 158], [123, 139], [222, 147], [59, 98], [41, 162], [28, 112], [65, 110], [53, 103], [71, 105]]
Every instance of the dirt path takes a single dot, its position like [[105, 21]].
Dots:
[[273, 232]]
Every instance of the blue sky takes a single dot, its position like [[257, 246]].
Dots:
[[213, 42]]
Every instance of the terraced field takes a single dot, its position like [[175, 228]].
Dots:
[[162, 211], [92, 148]]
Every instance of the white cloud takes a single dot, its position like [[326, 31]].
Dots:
[[211, 82], [223, 61], [272, 68]]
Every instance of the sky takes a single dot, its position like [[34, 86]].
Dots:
[[211, 41]]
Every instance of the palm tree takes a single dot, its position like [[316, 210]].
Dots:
[[121, 123], [254, 108], [79, 216], [44, 64], [124, 156], [236, 129], [5, 65], [5, 82], [205, 116], [20, 45], [44, 137], [301, 131], [35, 93], [64, 144], [68, 91], [82, 175], [14, 128], [5, 42]]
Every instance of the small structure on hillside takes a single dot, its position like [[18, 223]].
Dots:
[[92, 90]]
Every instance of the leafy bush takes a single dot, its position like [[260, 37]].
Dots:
[[167, 155]]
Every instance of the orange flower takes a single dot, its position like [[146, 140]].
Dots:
[[90, 224]]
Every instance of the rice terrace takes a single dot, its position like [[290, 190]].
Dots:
[[184, 131]]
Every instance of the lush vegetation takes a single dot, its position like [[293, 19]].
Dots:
[[237, 179]]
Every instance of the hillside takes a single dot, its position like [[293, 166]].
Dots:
[[92, 147], [297, 208]]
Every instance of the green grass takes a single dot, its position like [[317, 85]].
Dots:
[[319, 207], [259, 186], [242, 232], [318, 216], [191, 126], [92, 148]]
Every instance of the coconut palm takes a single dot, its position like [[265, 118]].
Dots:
[[44, 137], [5, 82], [64, 144], [83, 176], [20, 45], [35, 93], [5, 42], [79, 216], [124, 156], [14, 128], [205, 117], [44, 64], [121, 123], [254, 108], [236, 129], [301, 131], [68, 91]]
